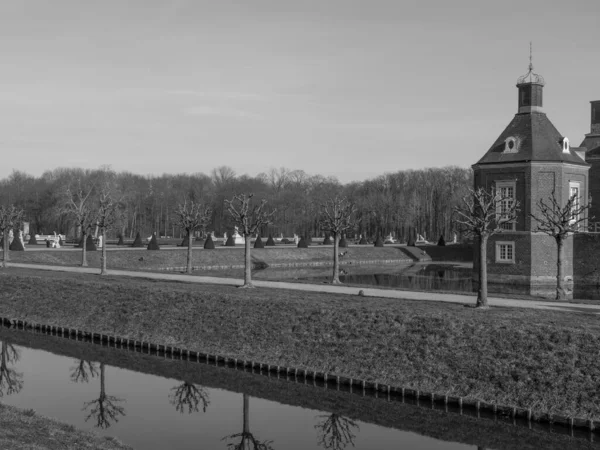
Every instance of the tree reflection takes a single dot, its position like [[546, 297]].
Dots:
[[189, 396], [104, 409], [245, 439], [83, 371], [11, 381], [336, 432]]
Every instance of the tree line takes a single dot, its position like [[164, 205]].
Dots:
[[398, 203]]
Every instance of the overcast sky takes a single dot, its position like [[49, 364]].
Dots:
[[350, 88]]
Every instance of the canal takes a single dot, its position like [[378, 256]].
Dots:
[[149, 402]]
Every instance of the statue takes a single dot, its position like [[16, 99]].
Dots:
[[296, 239]]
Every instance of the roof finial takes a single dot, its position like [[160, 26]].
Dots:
[[531, 76], [530, 57]]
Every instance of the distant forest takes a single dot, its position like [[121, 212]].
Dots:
[[400, 203]]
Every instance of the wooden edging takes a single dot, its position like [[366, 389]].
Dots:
[[461, 405], [295, 264]]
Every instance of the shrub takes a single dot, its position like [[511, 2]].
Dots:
[[441, 240], [327, 240], [16, 245], [270, 241], [363, 241], [230, 240], [302, 243], [89, 244], [120, 240], [379, 241], [258, 243], [137, 242], [209, 244], [32, 240], [153, 244], [286, 241], [343, 243]]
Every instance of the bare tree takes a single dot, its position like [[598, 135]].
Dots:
[[337, 217], [190, 396], [10, 217], [83, 371], [336, 432], [192, 216], [247, 440], [107, 217], [78, 205], [104, 408], [559, 222], [250, 218], [11, 381], [482, 215]]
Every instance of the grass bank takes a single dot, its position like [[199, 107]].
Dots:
[[25, 429], [544, 360], [142, 259]]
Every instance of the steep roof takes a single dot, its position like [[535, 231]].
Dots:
[[592, 142], [538, 140]]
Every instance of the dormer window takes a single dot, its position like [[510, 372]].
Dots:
[[511, 145], [565, 145]]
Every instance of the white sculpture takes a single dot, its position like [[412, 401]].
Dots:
[[296, 239], [100, 241]]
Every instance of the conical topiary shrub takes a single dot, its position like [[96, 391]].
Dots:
[[209, 244], [137, 242], [441, 241], [270, 241], [79, 243], [327, 240], [89, 244], [379, 241], [230, 240], [153, 244], [32, 240], [120, 240], [343, 243], [258, 243], [302, 243], [60, 241], [186, 241], [16, 245], [363, 241]]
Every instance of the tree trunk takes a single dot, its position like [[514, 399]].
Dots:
[[189, 252], [336, 259], [84, 250], [103, 258], [482, 300], [560, 288], [5, 251], [247, 263], [246, 427]]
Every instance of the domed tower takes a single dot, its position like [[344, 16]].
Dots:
[[528, 161]]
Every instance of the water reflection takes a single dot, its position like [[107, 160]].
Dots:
[[246, 440], [336, 432], [105, 408], [11, 381], [190, 396]]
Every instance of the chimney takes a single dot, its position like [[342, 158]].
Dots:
[[595, 117]]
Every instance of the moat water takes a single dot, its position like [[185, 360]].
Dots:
[[151, 403]]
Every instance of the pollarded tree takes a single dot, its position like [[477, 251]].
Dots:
[[108, 215], [482, 215], [336, 432], [192, 216], [104, 408], [337, 217], [247, 440], [560, 221], [250, 218], [11, 381], [78, 205], [189, 396], [83, 371], [10, 216]]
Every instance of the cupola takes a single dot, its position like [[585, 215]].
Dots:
[[531, 87]]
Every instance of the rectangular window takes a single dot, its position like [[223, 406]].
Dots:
[[574, 191], [506, 191], [505, 252]]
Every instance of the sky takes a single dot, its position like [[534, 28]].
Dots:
[[344, 88]]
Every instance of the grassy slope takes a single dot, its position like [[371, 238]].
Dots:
[[531, 358], [20, 430], [152, 260]]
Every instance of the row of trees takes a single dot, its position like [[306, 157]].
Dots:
[[334, 431], [396, 203]]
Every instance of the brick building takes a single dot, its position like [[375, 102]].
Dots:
[[592, 156], [529, 160]]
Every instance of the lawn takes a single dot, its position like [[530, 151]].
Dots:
[[544, 360]]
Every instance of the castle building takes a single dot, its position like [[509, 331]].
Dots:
[[592, 156], [527, 162]]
